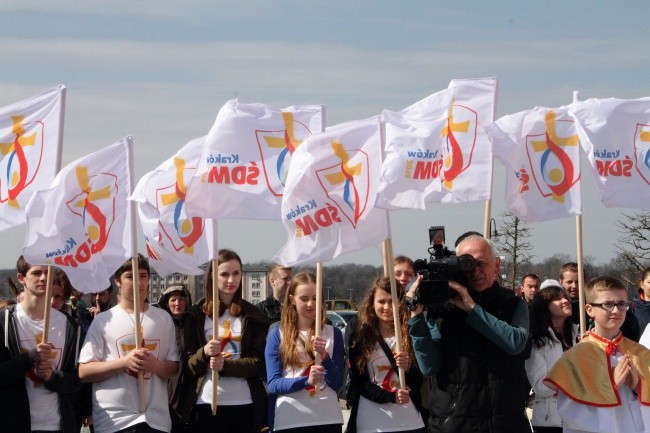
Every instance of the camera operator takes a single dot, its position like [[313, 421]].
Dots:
[[473, 349]]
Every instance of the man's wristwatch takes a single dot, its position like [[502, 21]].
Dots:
[[411, 304]]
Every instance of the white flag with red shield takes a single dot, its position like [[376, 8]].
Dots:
[[175, 241], [466, 150], [411, 174], [81, 223], [541, 151], [328, 205], [29, 146], [245, 161], [615, 133]]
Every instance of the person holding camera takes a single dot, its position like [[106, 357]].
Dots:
[[473, 347]]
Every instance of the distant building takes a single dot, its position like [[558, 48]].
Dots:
[[256, 284], [158, 284]]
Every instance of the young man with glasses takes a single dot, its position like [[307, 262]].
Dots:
[[603, 383]]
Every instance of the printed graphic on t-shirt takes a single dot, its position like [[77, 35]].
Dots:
[[230, 329], [381, 371], [27, 344], [126, 343], [230, 337]]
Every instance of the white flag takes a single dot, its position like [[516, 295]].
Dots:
[[175, 241], [243, 168], [466, 171], [615, 133], [30, 140], [81, 223], [412, 168], [328, 206], [541, 151]]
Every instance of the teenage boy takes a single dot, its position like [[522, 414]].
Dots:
[[603, 381], [110, 360], [36, 377]]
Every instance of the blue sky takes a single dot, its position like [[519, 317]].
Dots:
[[161, 70]]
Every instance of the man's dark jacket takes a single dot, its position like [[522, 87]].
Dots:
[[271, 307], [480, 388]]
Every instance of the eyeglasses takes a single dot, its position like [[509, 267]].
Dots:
[[609, 306]]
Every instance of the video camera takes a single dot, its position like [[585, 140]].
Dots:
[[443, 266]]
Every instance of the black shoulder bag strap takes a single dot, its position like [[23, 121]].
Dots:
[[388, 352]]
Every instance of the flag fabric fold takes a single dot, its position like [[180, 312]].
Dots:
[[615, 134], [175, 242], [328, 204], [412, 167], [243, 168], [541, 151], [80, 223], [30, 133]]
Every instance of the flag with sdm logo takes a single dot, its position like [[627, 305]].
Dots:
[[242, 171], [615, 133], [30, 144], [175, 241], [82, 223], [328, 207], [411, 174], [541, 151]]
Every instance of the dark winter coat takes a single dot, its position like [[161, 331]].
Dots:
[[14, 365], [250, 365]]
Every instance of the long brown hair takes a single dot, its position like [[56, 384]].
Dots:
[[289, 323], [235, 306], [540, 318], [368, 335]]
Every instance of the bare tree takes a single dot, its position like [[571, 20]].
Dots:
[[550, 266], [512, 243], [621, 268], [634, 243]]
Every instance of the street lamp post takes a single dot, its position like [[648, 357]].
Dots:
[[493, 232]]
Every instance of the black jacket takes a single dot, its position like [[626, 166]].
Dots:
[[480, 388], [14, 403], [250, 365], [271, 307], [360, 385]]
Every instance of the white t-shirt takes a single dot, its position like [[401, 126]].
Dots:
[[43, 403], [115, 400], [305, 407], [645, 337], [378, 417], [230, 390]]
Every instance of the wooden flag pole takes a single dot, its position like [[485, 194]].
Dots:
[[581, 276], [387, 247], [215, 331], [486, 221], [57, 168], [580, 260], [46, 312], [385, 254], [138, 328], [319, 306]]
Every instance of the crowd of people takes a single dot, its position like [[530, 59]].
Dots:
[[473, 363]]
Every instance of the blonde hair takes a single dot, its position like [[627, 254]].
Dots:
[[289, 354], [602, 284]]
